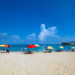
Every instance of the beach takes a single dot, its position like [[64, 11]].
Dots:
[[55, 63]]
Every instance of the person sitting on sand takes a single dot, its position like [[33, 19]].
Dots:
[[59, 50], [72, 50], [46, 51], [29, 52], [50, 50]]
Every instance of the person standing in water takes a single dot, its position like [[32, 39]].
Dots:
[[69, 49]]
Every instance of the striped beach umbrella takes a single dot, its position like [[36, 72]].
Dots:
[[37, 45]]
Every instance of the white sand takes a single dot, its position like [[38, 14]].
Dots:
[[37, 64]]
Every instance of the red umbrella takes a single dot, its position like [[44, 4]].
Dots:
[[31, 46], [7, 46]]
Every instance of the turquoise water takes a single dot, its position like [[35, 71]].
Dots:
[[18, 48]]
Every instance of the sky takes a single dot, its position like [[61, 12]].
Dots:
[[37, 21]]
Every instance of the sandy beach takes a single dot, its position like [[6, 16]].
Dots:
[[37, 64]]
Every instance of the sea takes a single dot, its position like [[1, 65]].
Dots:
[[19, 48]]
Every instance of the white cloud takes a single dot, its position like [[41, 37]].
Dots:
[[52, 30], [45, 33], [32, 35], [15, 37], [31, 38], [3, 34]]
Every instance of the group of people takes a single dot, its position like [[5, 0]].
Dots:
[[59, 50], [70, 50], [26, 52], [4, 51]]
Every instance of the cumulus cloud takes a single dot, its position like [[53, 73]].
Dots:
[[44, 32], [3, 34], [15, 37], [31, 38], [46, 36], [6, 39], [47, 33], [52, 30], [31, 35]]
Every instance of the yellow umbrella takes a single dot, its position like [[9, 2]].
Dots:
[[61, 47], [2, 45], [49, 47], [37, 45]]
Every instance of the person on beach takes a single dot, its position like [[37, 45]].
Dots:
[[29, 52], [4, 51], [50, 50], [1, 51], [22, 51], [7, 51], [72, 50], [59, 50], [69, 49]]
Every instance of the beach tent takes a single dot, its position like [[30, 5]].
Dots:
[[49, 47]]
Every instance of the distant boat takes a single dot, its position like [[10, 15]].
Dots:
[[70, 43]]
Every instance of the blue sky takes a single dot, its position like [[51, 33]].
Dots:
[[37, 21]]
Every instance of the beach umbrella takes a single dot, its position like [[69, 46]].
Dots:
[[37, 45], [2, 45], [61, 47], [5, 46], [24, 48], [32, 46], [73, 47], [49, 47]]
